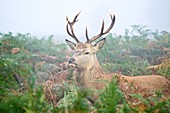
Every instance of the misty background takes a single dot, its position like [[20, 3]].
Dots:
[[48, 17]]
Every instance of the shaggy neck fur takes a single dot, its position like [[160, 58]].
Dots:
[[84, 77]]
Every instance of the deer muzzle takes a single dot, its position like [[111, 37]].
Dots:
[[71, 61]]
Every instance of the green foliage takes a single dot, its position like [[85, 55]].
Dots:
[[132, 52], [153, 105], [32, 101], [160, 106], [129, 54], [12, 100], [111, 98], [24, 95], [119, 57], [29, 45], [74, 101]]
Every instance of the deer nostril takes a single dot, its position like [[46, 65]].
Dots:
[[71, 60]]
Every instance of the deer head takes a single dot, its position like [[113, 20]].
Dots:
[[85, 52]]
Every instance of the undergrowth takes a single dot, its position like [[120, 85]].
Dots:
[[22, 57]]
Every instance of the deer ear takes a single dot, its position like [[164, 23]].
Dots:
[[71, 44], [100, 44]]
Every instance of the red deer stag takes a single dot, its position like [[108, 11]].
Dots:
[[88, 70]]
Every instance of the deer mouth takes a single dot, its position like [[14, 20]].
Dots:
[[73, 65]]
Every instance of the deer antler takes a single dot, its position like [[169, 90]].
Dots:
[[71, 27], [87, 35], [102, 32]]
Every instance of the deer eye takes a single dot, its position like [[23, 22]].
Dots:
[[86, 53], [78, 54]]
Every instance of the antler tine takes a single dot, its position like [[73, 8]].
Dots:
[[87, 35], [71, 27], [102, 29]]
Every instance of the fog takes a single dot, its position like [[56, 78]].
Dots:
[[48, 17]]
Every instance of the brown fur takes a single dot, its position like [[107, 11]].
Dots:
[[88, 70], [89, 74], [145, 85]]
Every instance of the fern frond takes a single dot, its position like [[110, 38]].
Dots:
[[164, 64]]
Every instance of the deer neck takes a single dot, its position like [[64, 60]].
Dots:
[[83, 76]]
